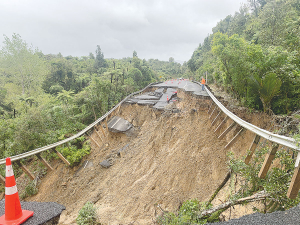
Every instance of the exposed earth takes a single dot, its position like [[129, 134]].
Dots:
[[167, 158]]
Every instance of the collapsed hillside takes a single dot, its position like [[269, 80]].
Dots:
[[166, 158]]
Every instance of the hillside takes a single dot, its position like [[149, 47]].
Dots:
[[166, 159]]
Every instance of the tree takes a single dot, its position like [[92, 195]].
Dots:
[[134, 54], [61, 75], [23, 64], [268, 87], [136, 75], [99, 60], [91, 55]]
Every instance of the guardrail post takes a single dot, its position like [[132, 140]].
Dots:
[[215, 120], [99, 135], [106, 124], [94, 141], [295, 182], [44, 161], [235, 138], [227, 130], [252, 149], [61, 157], [103, 132], [210, 107], [25, 170], [221, 124], [2, 180], [213, 112], [118, 108], [268, 161]]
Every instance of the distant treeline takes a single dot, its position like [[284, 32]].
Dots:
[[44, 97]]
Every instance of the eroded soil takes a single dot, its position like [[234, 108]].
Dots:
[[167, 159]]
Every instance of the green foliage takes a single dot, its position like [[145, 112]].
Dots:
[[99, 60], [22, 65], [259, 40], [268, 87], [188, 213], [29, 190], [75, 151], [87, 215], [276, 182]]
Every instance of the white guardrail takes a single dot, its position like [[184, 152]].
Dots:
[[48, 147], [279, 139]]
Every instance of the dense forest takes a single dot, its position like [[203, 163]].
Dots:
[[254, 55], [44, 98]]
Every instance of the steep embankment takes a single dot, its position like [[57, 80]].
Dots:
[[167, 158]]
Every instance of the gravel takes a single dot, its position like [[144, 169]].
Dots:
[[43, 211], [289, 217]]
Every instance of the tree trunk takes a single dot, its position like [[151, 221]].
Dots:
[[256, 197]]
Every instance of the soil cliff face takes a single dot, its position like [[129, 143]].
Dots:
[[166, 158]]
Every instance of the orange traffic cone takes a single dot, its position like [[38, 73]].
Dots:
[[14, 215], [167, 98]]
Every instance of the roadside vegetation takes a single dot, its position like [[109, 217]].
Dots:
[[46, 98], [254, 55]]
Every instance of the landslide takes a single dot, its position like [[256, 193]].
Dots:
[[167, 158]]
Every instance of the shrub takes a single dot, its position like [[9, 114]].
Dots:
[[87, 215], [188, 213], [29, 190], [73, 153]]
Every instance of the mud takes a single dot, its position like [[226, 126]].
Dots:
[[167, 158]]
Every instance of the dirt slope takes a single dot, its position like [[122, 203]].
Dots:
[[169, 158]]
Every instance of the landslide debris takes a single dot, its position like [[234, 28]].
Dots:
[[166, 158]]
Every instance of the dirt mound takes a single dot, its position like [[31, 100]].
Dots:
[[166, 158]]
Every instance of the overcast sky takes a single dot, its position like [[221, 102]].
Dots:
[[156, 29]]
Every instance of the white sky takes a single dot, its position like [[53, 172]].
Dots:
[[156, 29]]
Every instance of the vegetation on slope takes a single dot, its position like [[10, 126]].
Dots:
[[254, 55], [45, 97]]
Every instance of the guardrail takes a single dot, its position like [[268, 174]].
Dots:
[[275, 139], [279, 139], [51, 146]]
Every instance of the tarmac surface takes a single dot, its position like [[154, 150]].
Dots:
[[288, 217], [43, 211], [184, 84], [118, 124], [166, 93]]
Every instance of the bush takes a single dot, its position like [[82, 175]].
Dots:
[[188, 213], [30, 190], [87, 215], [74, 153]]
